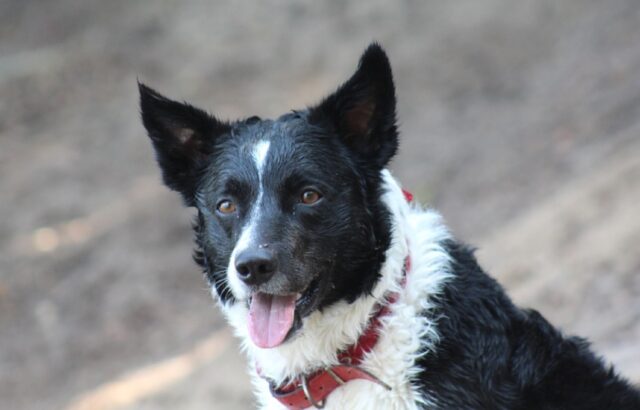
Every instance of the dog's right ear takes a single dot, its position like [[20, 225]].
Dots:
[[183, 137]]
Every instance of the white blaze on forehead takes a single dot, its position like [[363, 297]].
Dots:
[[259, 154]]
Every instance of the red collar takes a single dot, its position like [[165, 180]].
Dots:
[[312, 390], [407, 195]]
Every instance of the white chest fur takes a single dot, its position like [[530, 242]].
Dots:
[[406, 332]]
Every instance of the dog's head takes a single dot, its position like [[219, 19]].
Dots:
[[290, 218]]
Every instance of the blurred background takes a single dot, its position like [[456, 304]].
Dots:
[[520, 122]]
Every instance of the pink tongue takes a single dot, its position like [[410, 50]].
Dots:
[[270, 318]]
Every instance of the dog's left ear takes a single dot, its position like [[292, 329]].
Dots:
[[363, 110], [183, 137]]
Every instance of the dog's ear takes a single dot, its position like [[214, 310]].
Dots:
[[363, 110], [183, 137]]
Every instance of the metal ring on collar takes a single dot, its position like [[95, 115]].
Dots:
[[305, 390]]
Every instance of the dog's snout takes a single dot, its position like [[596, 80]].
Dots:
[[255, 266]]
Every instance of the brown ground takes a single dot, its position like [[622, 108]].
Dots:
[[520, 121]]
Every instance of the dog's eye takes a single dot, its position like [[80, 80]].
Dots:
[[226, 207], [310, 197]]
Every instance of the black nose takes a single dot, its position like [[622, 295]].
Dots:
[[255, 266]]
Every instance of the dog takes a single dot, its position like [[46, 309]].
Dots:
[[344, 293]]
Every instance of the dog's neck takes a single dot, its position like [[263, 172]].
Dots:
[[338, 326]]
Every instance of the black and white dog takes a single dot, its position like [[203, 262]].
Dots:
[[344, 294]]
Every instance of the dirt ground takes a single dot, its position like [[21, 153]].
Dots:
[[520, 122]]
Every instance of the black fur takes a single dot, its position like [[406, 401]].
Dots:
[[363, 110], [183, 137], [493, 355], [490, 355]]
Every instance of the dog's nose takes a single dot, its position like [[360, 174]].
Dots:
[[255, 266]]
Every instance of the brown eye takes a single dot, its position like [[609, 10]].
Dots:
[[310, 197], [226, 207]]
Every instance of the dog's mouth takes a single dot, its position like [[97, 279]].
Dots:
[[275, 318]]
